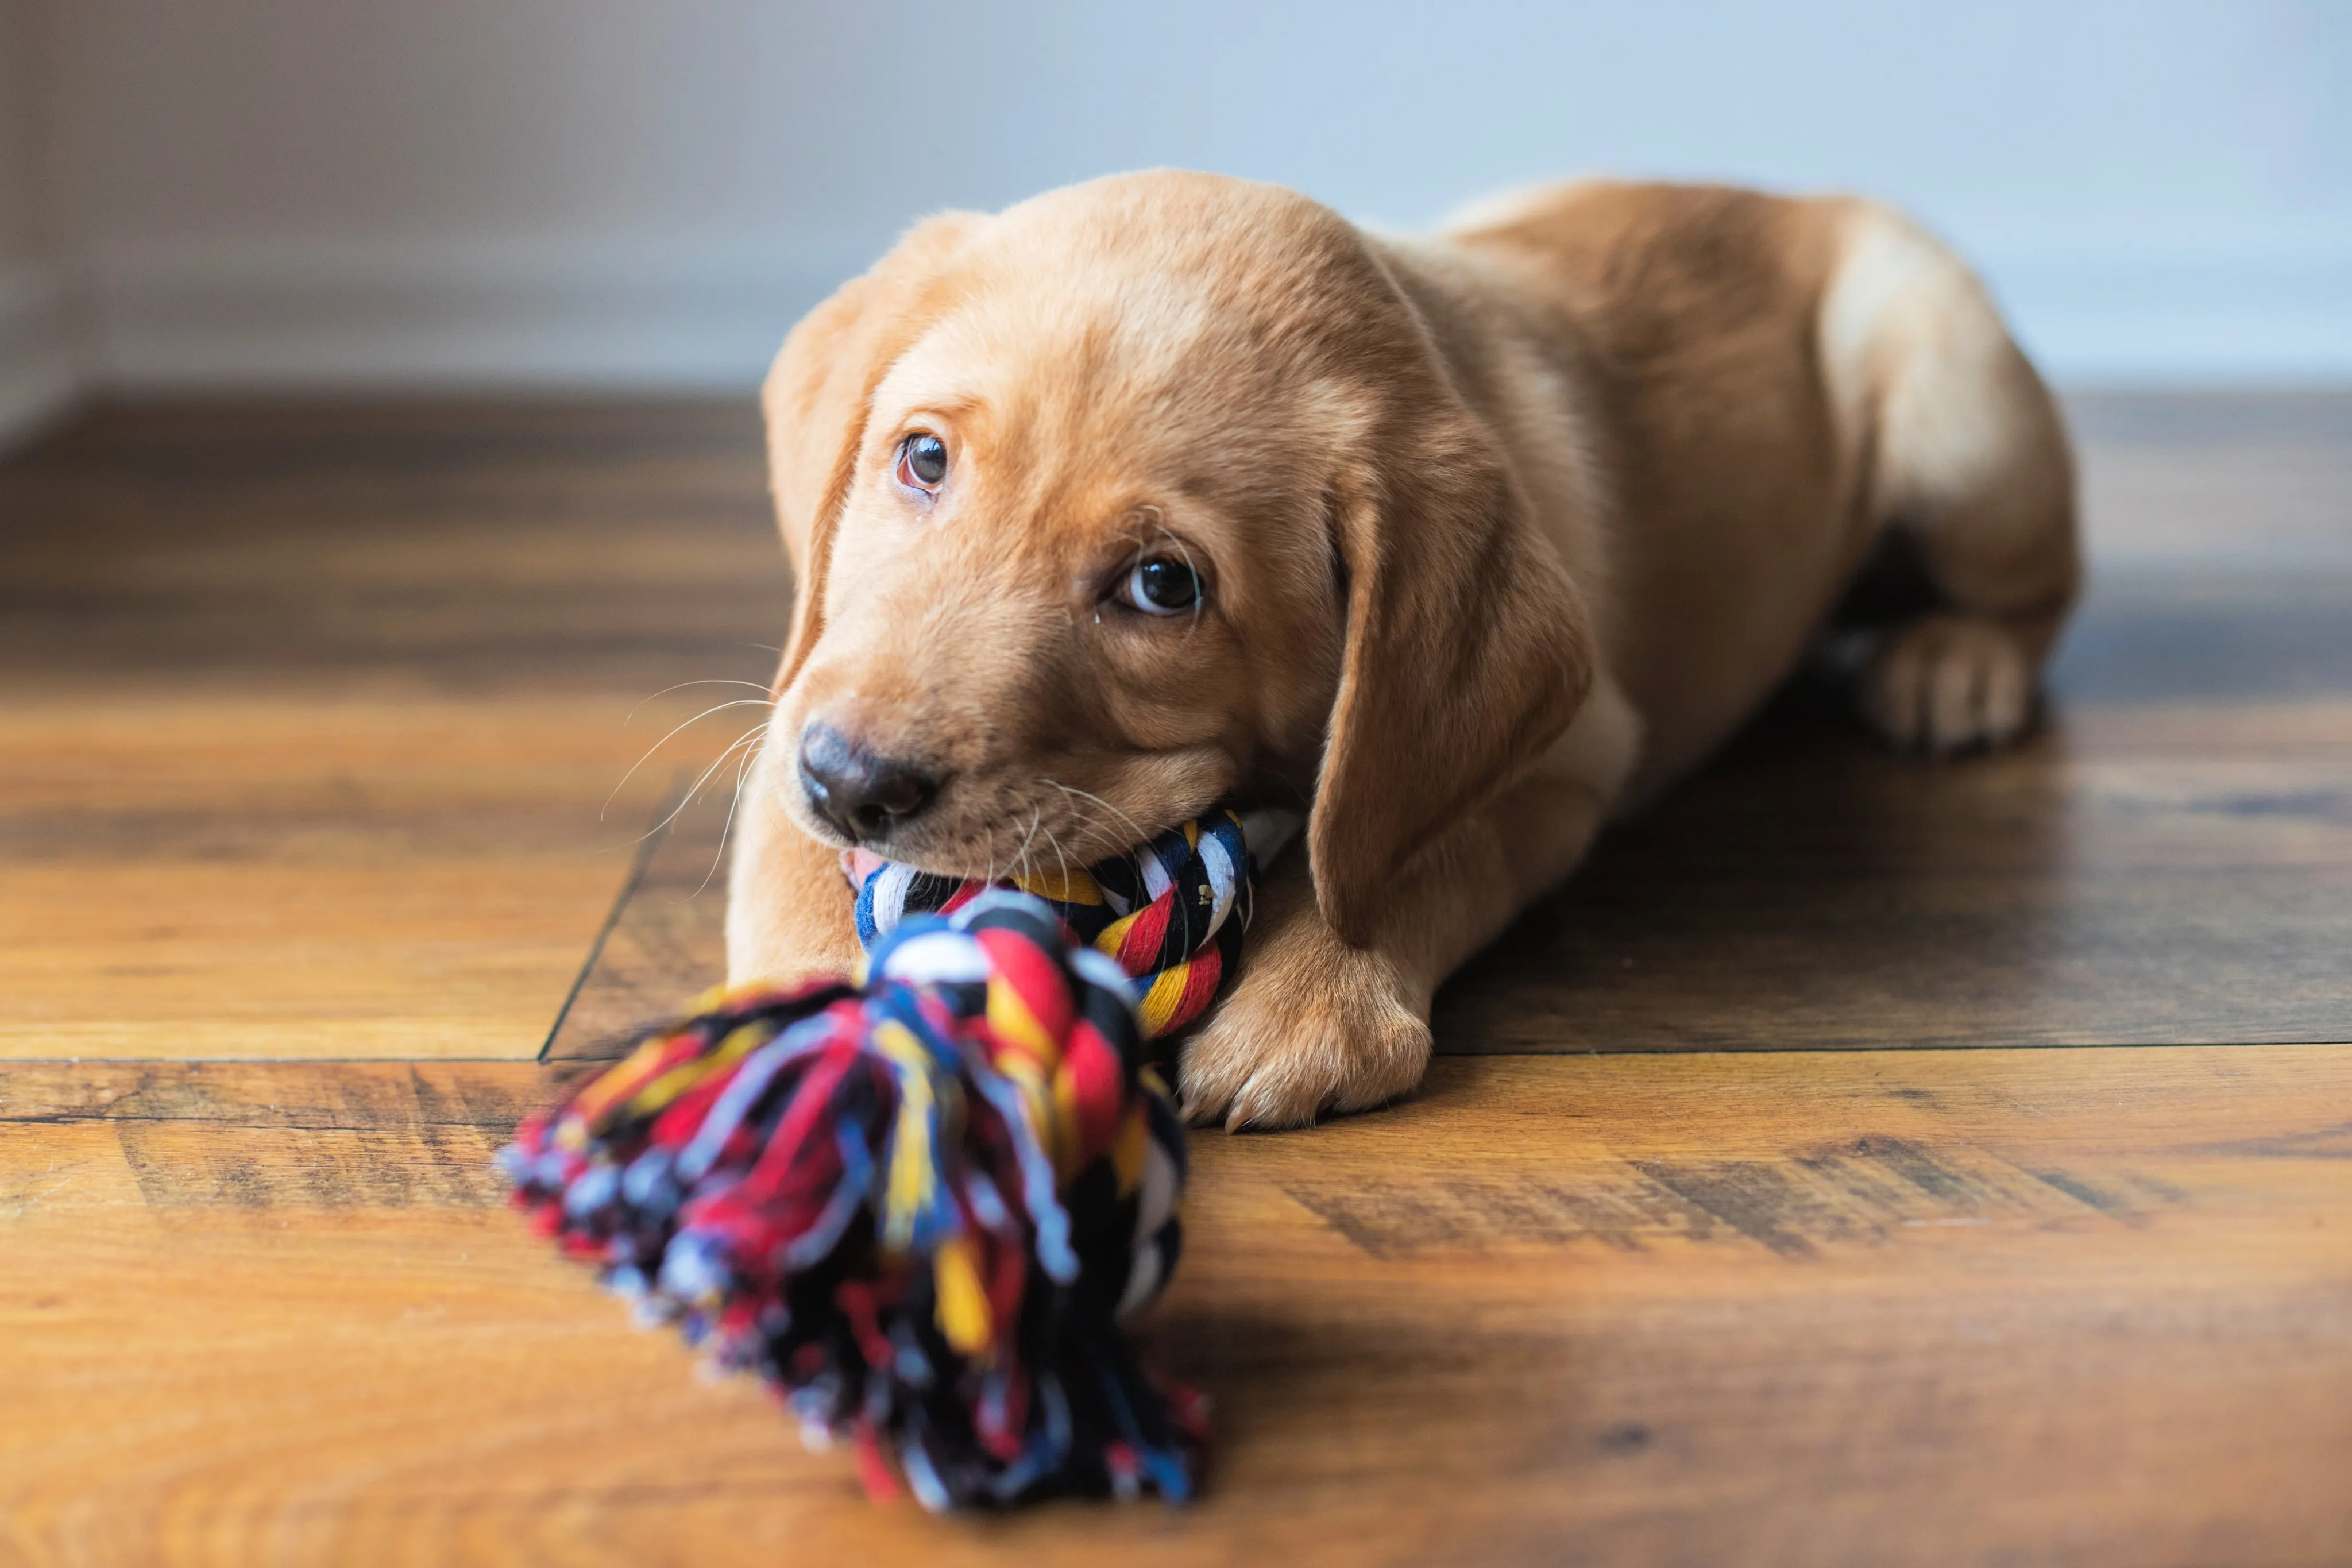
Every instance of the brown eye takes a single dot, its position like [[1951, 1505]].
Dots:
[[1163, 586], [922, 461]]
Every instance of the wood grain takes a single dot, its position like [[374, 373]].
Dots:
[[311, 724], [2155, 873], [221, 876], [312, 720], [1869, 1307], [350, 550]]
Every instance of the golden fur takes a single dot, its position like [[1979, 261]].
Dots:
[[1502, 529]]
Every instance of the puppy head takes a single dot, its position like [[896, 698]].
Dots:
[[1141, 495]]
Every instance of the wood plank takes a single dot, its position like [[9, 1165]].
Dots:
[[1966, 1307], [2186, 478], [452, 547], [2086, 889], [309, 718], [215, 875]]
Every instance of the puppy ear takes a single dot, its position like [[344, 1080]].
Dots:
[[820, 393], [1467, 653]]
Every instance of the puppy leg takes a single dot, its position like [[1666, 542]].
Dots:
[[1966, 456], [2002, 559], [1314, 1024], [790, 915]]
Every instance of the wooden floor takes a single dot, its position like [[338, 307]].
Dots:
[[1751, 1216]]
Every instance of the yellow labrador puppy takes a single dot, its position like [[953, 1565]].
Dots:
[[1171, 489]]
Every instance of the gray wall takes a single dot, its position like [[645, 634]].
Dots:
[[646, 192]]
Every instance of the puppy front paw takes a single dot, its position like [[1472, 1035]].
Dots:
[[1312, 1025]]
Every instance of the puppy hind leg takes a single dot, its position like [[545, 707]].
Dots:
[[1967, 471]]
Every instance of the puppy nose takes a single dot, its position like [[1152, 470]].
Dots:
[[856, 790]]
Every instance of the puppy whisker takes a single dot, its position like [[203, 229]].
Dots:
[[1061, 859], [693, 792], [658, 745], [1136, 831], [1020, 861], [1135, 835], [682, 685], [734, 800]]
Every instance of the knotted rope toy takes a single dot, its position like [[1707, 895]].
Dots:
[[919, 1202]]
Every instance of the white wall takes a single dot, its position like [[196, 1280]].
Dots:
[[647, 192], [40, 370]]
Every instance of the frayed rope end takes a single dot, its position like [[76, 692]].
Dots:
[[919, 1208]]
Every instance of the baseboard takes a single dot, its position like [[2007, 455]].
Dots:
[[701, 316], [40, 367]]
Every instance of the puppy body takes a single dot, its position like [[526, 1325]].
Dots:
[[1499, 530]]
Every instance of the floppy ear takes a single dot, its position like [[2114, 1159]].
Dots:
[[820, 393], [1467, 655]]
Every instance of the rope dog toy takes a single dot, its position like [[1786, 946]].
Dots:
[[919, 1202]]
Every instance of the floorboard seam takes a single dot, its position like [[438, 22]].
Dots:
[[663, 814]]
